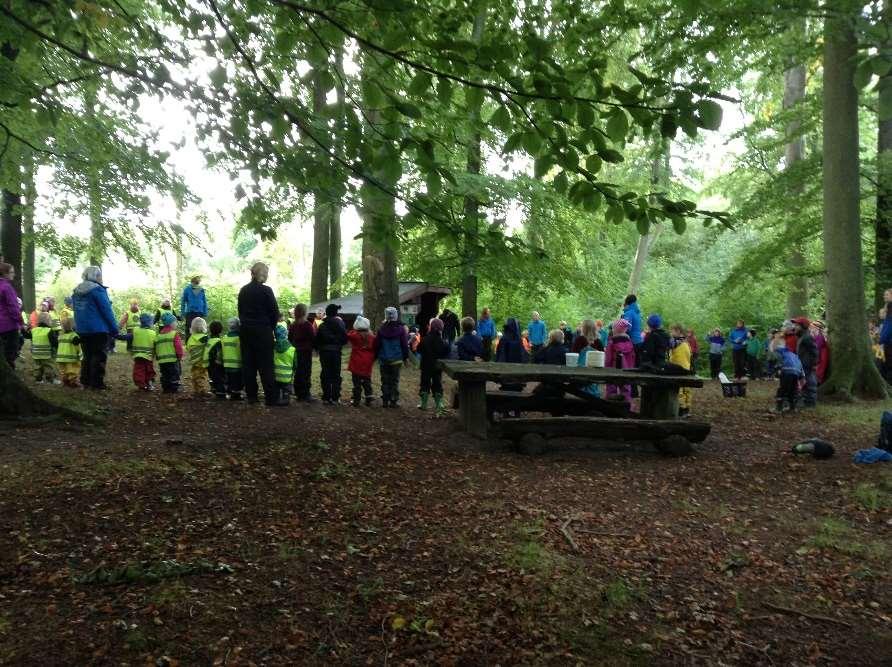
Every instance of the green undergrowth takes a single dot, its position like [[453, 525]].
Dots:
[[838, 535], [856, 413]]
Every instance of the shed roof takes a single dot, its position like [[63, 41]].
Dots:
[[351, 304]]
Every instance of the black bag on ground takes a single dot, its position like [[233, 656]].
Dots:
[[885, 439]]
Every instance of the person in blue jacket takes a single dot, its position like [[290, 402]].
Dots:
[[632, 314], [193, 303], [486, 329], [738, 338], [95, 323], [791, 373], [537, 331], [885, 340]]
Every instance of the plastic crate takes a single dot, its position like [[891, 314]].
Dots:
[[734, 389]]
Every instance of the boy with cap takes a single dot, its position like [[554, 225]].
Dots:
[[391, 351], [169, 352], [331, 336], [362, 358]]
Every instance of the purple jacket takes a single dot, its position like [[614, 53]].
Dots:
[[10, 313]]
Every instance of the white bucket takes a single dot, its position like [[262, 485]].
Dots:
[[594, 359], [571, 359]]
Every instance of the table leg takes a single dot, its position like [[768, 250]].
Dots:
[[659, 402], [472, 407]]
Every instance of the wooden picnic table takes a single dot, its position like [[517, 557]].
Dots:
[[659, 393]]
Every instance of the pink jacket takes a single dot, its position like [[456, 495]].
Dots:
[[620, 346]]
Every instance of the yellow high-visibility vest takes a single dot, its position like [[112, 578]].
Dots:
[[143, 343]]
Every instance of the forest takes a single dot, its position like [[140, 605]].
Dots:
[[721, 161]]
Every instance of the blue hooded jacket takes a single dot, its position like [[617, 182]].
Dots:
[[92, 307], [738, 338], [632, 313], [194, 301], [486, 328], [886, 330], [538, 332], [790, 364]]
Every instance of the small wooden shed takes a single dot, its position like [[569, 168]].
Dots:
[[419, 302]]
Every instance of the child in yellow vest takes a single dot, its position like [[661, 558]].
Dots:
[[130, 321], [213, 359], [232, 360], [169, 351], [680, 354], [195, 348], [283, 365], [141, 342], [44, 341], [68, 355]]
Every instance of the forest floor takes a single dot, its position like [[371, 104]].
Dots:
[[367, 536]]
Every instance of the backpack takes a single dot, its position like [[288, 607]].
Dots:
[[885, 439]]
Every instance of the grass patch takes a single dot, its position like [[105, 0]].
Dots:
[[873, 497], [528, 552], [837, 535], [856, 413]]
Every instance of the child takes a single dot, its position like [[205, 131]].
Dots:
[[163, 310], [169, 352], [283, 360], [753, 350], [470, 345], [680, 355], [301, 335], [555, 352], [331, 336], [791, 374], [525, 341], [68, 356], [130, 321], [620, 353], [433, 348], [231, 354], [141, 342], [655, 350], [213, 359], [587, 340], [716, 347], [44, 342], [362, 358], [391, 351], [196, 345]]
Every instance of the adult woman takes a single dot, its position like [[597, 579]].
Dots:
[[10, 315], [588, 337], [95, 324], [258, 312]]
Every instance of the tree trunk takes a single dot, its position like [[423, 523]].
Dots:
[[321, 221], [471, 204], [883, 252], [29, 288], [852, 368], [334, 233], [794, 92], [94, 193], [379, 238], [11, 234], [660, 173]]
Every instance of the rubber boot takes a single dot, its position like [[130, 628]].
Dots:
[[422, 403], [438, 405], [779, 406]]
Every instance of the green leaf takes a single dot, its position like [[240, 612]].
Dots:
[[514, 143], [474, 98], [668, 126], [709, 114], [407, 109], [618, 127], [420, 84], [593, 163], [615, 214], [679, 224], [561, 182], [643, 225], [372, 95], [881, 65], [542, 165], [532, 142], [434, 184], [592, 201], [218, 76], [501, 119], [611, 156], [585, 115], [444, 90]]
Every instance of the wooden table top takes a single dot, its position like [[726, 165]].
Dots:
[[501, 372]]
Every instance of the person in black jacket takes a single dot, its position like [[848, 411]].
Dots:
[[331, 336], [450, 325], [432, 348], [258, 313], [807, 350], [655, 351], [510, 351]]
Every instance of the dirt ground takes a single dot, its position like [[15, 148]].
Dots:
[[193, 531]]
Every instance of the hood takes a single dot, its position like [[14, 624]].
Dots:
[[633, 307], [282, 344], [86, 287], [391, 330], [511, 330]]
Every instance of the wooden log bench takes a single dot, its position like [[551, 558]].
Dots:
[[671, 437], [511, 401]]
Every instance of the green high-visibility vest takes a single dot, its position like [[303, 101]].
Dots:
[[132, 319], [165, 352], [284, 366], [55, 322], [212, 342], [40, 343], [68, 352], [143, 343], [195, 347], [232, 352]]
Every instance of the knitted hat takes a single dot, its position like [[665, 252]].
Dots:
[[391, 314], [281, 332], [362, 324], [233, 323], [199, 325], [331, 310], [146, 320], [654, 321], [621, 326], [167, 319], [435, 325]]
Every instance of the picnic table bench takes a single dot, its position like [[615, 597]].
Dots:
[[656, 420]]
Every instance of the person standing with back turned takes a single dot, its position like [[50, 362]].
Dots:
[[258, 314], [193, 303]]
